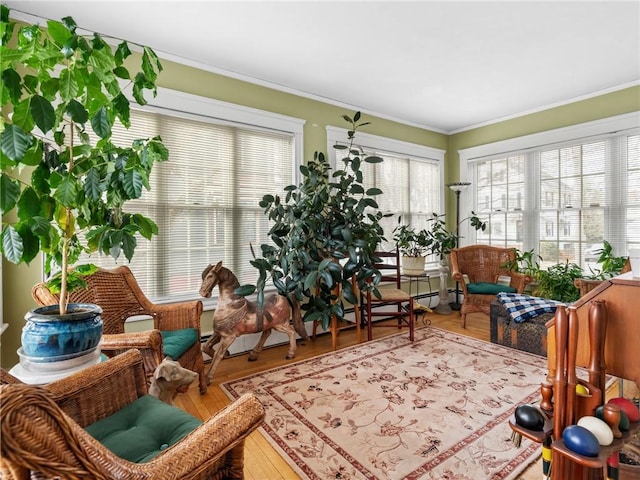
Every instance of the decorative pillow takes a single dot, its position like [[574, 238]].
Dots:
[[176, 342], [489, 288], [143, 429]]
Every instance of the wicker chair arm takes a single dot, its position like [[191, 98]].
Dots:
[[221, 434], [149, 343], [519, 281], [41, 294]]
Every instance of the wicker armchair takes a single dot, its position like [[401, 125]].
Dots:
[[481, 264], [118, 293], [43, 432], [585, 285]]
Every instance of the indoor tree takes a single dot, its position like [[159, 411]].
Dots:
[[61, 94], [324, 232]]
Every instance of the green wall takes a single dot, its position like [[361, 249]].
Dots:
[[18, 280]]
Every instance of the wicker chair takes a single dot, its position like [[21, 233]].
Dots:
[[585, 285], [43, 433], [481, 264], [118, 293]]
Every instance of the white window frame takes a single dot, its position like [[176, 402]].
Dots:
[[588, 131]]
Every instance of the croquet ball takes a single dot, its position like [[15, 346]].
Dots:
[[628, 407], [581, 441], [581, 390], [530, 417], [599, 429], [623, 424], [624, 421]]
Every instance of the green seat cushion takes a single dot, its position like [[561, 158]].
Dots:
[[143, 429], [489, 288], [176, 342]]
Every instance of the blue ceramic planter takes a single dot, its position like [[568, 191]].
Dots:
[[47, 334]]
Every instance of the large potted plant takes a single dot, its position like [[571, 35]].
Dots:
[[324, 234], [64, 183]]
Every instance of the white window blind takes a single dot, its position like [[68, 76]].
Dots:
[[562, 199], [205, 197], [411, 178]]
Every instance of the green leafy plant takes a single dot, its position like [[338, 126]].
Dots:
[[410, 242], [527, 262], [61, 95], [442, 241], [325, 231], [610, 264], [557, 282]]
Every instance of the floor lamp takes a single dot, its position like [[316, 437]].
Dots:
[[457, 187]]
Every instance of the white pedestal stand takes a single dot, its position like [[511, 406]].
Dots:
[[443, 307]]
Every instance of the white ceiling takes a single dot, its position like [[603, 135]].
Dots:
[[446, 65]]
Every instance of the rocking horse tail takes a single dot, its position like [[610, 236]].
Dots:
[[296, 314]]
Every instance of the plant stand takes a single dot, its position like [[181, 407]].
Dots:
[[443, 307]]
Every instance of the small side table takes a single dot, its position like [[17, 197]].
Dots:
[[416, 279]]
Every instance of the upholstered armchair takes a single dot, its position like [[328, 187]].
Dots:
[[81, 427], [177, 325], [477, 269]]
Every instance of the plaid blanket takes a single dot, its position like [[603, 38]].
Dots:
[[523, 307]]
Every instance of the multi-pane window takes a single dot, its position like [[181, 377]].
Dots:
[[205, 198], [564, 199], [410, 177]]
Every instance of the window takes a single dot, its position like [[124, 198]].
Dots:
[[563, 192], [223, 159], [411, 178]]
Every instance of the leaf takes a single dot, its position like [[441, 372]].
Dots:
[[59, 32], [122, 108], [68, 86], [15, 142], [9, 193], [92, 185], [128, 243], [66, 192], [132, 183], [245, 290], [101, 124], [374, 191], [28, 204], [77, 112], [11, 244]]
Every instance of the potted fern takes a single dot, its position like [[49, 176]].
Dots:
[[64, 183]]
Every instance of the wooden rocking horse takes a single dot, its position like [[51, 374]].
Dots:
[[235, 316]]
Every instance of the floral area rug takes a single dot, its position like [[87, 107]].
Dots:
[[437, 408]]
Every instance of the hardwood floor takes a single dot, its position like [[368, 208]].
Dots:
[[262, 462]]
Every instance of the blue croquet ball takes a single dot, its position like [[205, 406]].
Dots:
[[530, 417], [581, 441]]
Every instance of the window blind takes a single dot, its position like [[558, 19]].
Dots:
[[204, 199]]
